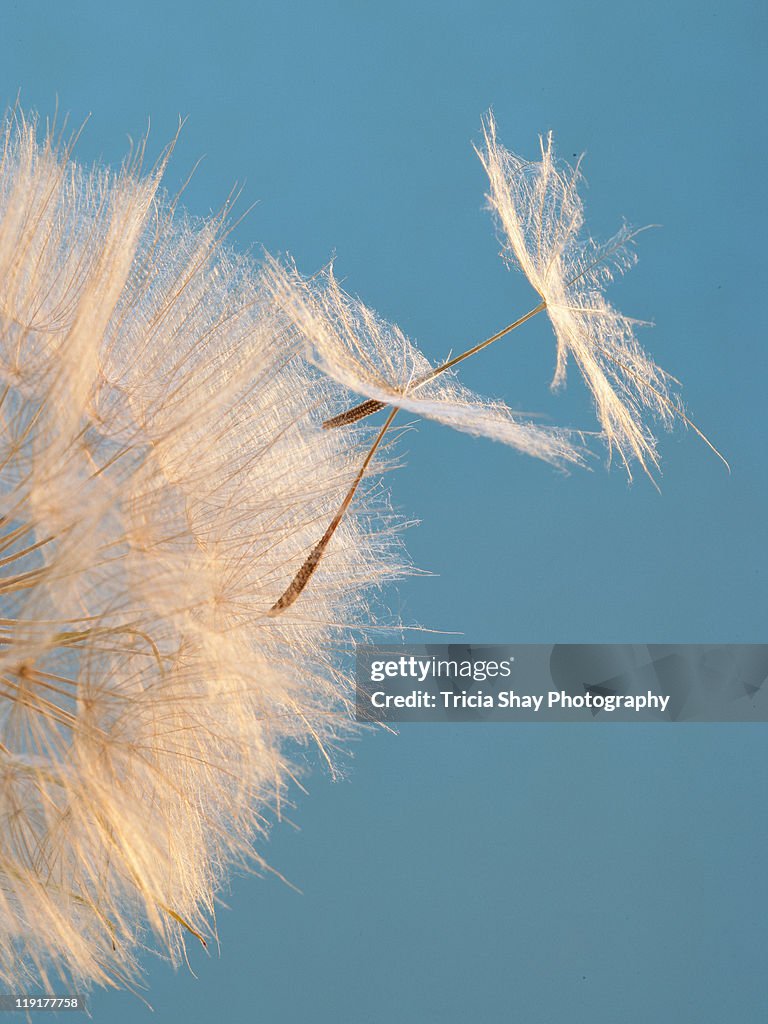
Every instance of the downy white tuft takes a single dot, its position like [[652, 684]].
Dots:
[[540, 213]]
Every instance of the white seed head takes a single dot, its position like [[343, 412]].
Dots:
[[181, 557], [163, 472]]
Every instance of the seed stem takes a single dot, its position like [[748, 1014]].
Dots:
[[305, 573]]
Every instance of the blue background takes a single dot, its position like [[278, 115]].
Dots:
[[527, 873]]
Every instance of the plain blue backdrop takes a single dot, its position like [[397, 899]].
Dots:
[[540, 874]]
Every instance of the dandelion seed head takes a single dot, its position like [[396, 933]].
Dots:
[[180, 554], [163, 471]]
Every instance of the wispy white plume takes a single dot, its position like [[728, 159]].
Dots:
[[541, 216], [354, 346]]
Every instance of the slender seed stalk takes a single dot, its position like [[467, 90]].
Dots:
[[371, 406], [305, 573]]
